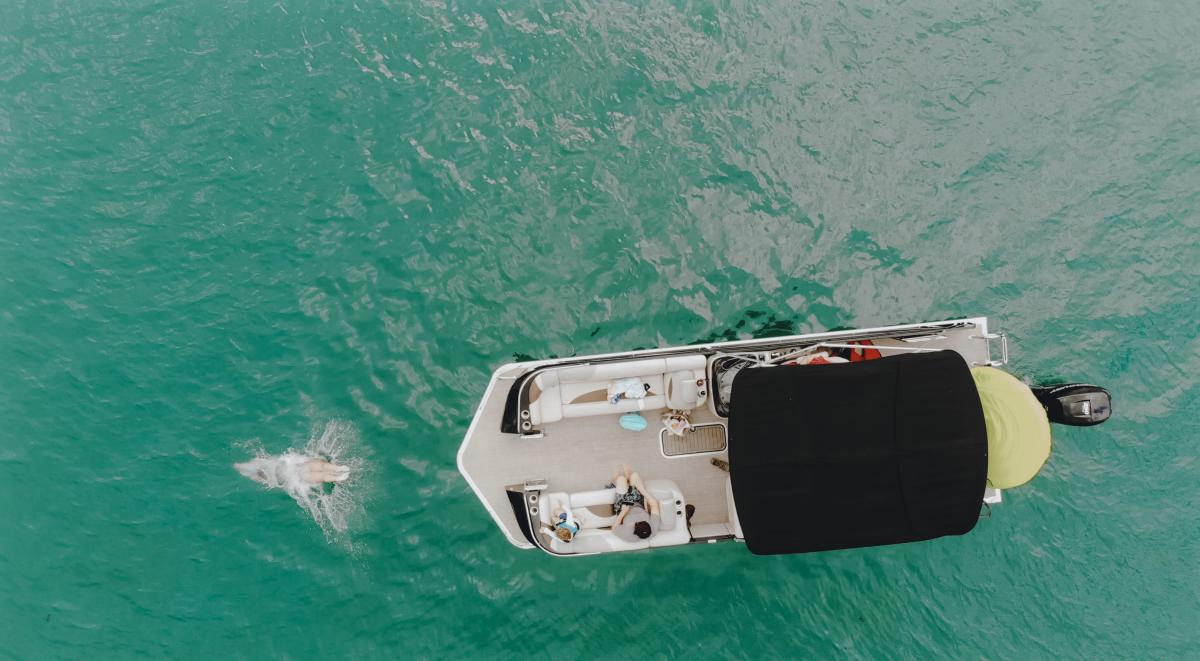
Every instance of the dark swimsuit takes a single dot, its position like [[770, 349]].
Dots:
[[631, 497]]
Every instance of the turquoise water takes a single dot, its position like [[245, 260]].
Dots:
[[225, 224]]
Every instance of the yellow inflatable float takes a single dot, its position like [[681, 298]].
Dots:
[[1018, 429]]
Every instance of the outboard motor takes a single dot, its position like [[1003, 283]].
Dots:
[[1076, 404]]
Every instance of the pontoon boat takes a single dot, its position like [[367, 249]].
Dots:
[[822, 441]]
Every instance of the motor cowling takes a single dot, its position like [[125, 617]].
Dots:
[[1076, 404]]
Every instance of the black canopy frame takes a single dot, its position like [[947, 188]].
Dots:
[[885, 451]]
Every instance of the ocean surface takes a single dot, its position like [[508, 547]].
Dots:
[[230, 227]]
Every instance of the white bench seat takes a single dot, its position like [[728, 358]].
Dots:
[[677, 382], [596, 535]]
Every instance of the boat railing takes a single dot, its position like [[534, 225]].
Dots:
[[988, 337]]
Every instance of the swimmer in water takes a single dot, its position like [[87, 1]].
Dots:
[[290, 468], [321, 477], [308, 480]]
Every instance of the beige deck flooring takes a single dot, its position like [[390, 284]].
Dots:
[[582, 453]]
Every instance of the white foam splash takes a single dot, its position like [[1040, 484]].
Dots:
[[332, 507]]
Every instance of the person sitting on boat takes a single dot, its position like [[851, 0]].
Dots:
[[638, 517], [565, 523]]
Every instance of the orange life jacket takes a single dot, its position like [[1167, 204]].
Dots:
[[859, 355]]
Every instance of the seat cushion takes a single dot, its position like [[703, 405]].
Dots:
[[674, 529], [548, 405], [596, 541], [596, 392], [611, 371], [682, 392], [580, 501], [593, 498], [692, 362]]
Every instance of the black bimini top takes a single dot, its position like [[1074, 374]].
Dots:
[[883, 451]]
